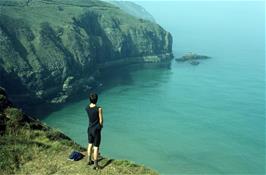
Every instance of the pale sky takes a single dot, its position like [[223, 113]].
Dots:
[[191, 0]]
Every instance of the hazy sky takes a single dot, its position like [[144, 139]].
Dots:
[[210, 21], [193, 0]]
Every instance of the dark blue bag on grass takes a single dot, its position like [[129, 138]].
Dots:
[[75, 156]]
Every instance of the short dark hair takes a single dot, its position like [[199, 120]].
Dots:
[[93, 98]]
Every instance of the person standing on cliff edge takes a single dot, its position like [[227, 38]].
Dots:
[[95, 116]]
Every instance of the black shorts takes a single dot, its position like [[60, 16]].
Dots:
[[94, 136]]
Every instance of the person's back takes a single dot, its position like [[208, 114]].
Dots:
[[93, 115], [94, 130]]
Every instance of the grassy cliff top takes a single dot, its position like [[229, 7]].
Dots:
[[62, 12], [30, 147]]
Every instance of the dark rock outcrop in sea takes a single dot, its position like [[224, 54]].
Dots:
[[52, 50], [192, 57]]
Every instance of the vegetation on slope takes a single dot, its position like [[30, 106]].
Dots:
[[132, 9], [30, 147], [52, 50]]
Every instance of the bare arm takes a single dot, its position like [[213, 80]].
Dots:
[[101, 116]]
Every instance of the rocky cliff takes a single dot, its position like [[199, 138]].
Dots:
[[51, 50]]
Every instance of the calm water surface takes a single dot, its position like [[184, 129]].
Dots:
[[205, 119]]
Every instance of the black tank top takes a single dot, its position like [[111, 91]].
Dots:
[[93, 115]]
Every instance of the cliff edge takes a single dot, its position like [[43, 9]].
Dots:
[[30, 147], [133, 9]]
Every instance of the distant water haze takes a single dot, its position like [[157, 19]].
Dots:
[[205, 119]]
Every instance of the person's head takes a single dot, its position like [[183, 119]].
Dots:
[[93, 98]]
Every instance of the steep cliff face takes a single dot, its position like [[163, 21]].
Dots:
[[52, 49]]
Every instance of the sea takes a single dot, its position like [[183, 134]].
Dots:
[[187, 119]]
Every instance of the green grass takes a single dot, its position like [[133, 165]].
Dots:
[[31, 147], [61, 13], [45, 151]]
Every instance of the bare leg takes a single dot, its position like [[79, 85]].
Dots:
[[95, 156], [89, 153]]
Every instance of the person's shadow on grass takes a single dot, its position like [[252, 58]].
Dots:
[[107, 163]]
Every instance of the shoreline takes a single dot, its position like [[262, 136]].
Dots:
[[130, 64]]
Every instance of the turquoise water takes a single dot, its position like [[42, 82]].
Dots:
[[205, 119]]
